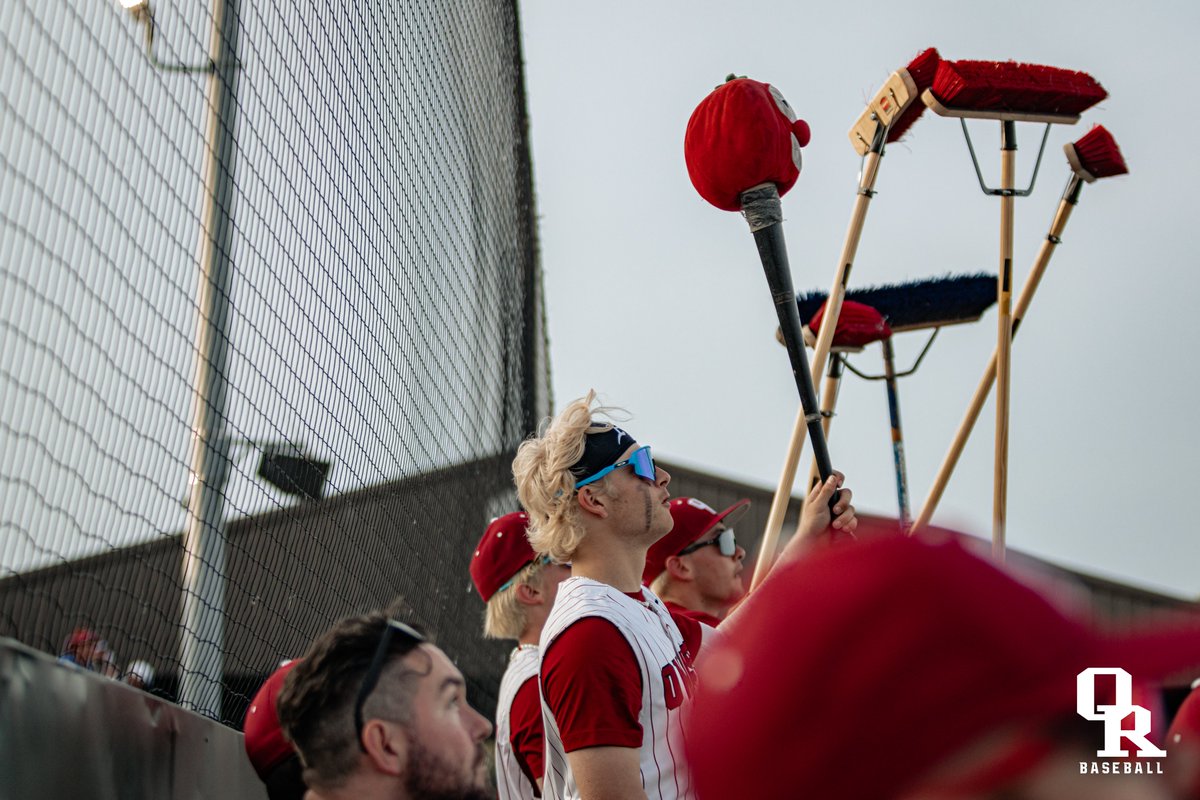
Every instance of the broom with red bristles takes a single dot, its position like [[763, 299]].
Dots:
[[1092, 157], [890, 114], [886, 119], [896, 106], [1008, 92]]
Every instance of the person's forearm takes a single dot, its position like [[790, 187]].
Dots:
[[607, 773]]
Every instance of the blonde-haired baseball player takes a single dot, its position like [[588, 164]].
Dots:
[[616, 666], [519, 587]]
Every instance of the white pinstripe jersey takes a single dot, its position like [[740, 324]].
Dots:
[[666, 677], [510, 780]]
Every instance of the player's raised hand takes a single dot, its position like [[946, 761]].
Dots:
[[817, 521]]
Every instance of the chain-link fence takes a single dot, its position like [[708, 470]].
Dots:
[[271, 323]]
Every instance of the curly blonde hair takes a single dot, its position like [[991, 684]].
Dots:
[[545, 485]]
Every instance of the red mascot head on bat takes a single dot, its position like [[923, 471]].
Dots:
[[743, 134]]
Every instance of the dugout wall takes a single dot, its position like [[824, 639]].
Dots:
[[66, 733]]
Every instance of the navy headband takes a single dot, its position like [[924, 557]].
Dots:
[[601, 450]]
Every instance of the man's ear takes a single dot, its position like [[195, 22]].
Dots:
[[592, 500], [386, 746], [528, 595], [679, 569]]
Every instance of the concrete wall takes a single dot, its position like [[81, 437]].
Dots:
[[66, 733]]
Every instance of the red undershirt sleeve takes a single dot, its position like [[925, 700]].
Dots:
[[525, 731], [693, 633], [593, 687]]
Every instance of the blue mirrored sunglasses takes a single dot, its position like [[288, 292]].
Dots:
[[640, 460], [725, 542]]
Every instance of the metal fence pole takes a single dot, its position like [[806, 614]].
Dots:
[[202, 637]]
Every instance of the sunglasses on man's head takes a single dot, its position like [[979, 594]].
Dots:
[[410, 638], [725, 542], [640, 460]]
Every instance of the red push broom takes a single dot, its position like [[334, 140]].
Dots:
[[1094, 156], [889, 115], [742, 149], [1008, 92]]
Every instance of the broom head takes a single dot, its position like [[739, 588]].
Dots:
[[929, 303], [894, 105], [921, 70], [1010, 90], [1096, 155]]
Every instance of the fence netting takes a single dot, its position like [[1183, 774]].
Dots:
[[328, 207]]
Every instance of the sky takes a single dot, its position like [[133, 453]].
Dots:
[[658, 301]]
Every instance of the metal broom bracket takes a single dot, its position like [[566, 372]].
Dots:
[[906, 373], [878, 143], [1005, 192]]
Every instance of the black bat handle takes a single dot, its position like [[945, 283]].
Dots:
[[765, 217]]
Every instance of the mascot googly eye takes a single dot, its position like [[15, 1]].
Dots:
[[742, 135]]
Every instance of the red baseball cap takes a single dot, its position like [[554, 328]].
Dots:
[[264, 739], [80, 637], [693, 518], [899, 650], [501, 553]]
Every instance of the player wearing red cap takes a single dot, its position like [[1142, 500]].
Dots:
[[271, 754], [519, 588], [916, 670], [696, 569], [81, 648], [616, 666]]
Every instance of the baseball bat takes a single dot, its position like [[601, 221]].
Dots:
[[764, 214]]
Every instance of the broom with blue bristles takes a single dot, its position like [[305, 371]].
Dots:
[[931, 303]]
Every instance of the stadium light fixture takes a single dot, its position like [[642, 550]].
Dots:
[[293, 473], [288, 467]]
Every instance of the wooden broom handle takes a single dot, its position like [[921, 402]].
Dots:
[[1070, 198], [1008, 160], [829, 395]]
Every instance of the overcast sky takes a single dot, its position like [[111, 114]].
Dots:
[[658, 300]]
